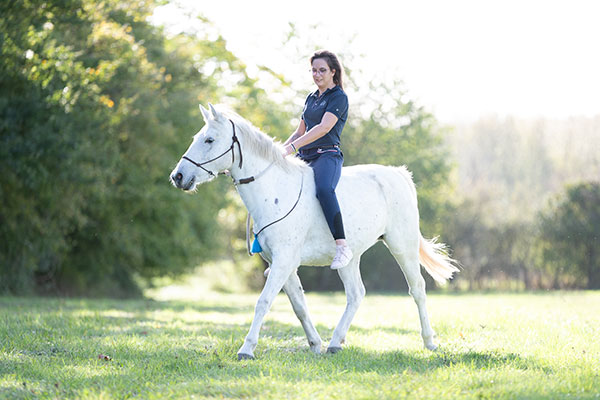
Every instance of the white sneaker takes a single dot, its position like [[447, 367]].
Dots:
[[343, 255]]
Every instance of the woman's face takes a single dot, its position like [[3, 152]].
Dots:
[[322, 75]]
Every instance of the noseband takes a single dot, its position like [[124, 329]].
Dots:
[[234, 140]]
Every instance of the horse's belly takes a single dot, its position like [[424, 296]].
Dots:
[[364, 214]]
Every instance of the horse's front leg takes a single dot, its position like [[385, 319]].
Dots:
[[294, 291], [280, 271]]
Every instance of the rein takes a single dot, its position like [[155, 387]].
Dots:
[[288, 213], [255, 245]]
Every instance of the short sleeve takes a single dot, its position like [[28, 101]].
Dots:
[[304, 109], [338, 104]]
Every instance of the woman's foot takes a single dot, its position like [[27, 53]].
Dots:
[[343, 255]]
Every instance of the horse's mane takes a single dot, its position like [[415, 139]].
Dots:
[[260, 143]]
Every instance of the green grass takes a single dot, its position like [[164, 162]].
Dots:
[[182, 344]]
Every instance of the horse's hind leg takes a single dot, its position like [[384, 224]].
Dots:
[[408, 258], [355, 292], [294, 291]]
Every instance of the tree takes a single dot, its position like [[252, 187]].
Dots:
[[96, 107], [569, 236]]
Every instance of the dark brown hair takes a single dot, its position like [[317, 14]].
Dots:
[[332, 62]]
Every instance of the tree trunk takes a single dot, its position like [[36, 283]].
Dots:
[[593, 269], [525, 277], [555, 280]]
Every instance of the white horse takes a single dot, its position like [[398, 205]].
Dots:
[[377, 203]]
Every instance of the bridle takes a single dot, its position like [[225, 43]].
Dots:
[[234, 140]]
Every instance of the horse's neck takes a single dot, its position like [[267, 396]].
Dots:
[[273, 191]]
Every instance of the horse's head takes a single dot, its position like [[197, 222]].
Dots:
[[208, 154]]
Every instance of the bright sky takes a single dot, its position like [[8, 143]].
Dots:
[[461, 59]]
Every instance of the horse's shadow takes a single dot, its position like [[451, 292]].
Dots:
[[283, 339], [284, 346], [208, 348]]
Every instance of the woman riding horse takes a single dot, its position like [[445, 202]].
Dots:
[[317, 141]]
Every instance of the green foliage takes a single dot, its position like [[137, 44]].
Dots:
[[569, 237], [556, 250], [94, 102], [492, 347], [494, 257], [96, 105], [507, 169], [397, 131]]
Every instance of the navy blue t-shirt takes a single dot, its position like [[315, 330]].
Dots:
[[333, 100]]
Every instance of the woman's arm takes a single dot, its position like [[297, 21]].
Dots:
[[300, 130], [320, 130]]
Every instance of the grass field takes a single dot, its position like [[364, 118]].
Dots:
[[182, 343]]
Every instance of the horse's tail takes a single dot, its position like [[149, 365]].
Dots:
[[434, 257]]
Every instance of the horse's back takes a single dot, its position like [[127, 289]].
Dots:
[[394, 183], [372, 197]]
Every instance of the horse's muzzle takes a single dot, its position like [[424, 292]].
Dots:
[[176, 179], [178, 182]]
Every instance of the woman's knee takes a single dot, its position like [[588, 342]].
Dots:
[[324, 191], [327, 174]]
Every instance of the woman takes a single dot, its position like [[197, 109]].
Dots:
[[317, 141]]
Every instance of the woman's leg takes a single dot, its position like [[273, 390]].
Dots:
[[328, 169]]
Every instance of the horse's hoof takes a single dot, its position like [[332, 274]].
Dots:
[[333, 350], [242, 356]]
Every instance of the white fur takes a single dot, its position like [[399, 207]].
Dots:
[[377, 202]]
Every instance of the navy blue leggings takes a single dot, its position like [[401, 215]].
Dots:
[[327, 167]]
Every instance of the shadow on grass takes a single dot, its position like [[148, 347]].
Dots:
[[212, 369], [421, 361], [94, 305], [200, 354]]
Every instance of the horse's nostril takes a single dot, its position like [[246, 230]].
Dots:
[[178, 177]]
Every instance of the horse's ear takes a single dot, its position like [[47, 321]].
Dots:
[[205, 113], [214, 112]]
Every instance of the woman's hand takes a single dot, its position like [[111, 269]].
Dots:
[[287, 150], [287, 147]]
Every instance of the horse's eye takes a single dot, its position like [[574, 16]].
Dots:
[[209, 140]]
